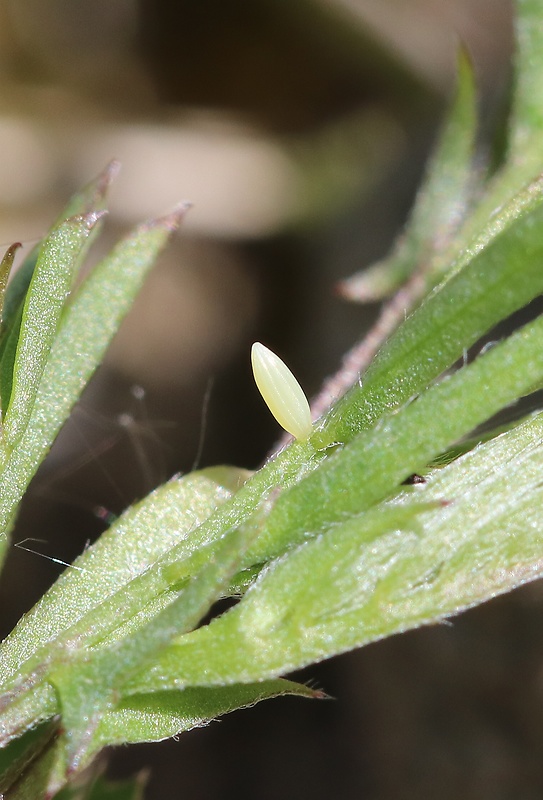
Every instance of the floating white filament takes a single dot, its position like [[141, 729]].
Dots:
[[281, 391]]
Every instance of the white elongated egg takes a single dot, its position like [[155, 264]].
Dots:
[[281, 391]]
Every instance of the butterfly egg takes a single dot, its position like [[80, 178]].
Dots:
[[281, 391]]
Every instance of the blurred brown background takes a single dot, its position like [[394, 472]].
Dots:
[[299, 131]]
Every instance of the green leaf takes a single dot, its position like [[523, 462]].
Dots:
[[29, 702], [88, 200], [469, 289], [486, 223], [526, 123], [524, 153], [15, 295], [440, 205], [111, 582], [91, 597], [18, 756], [47, 293], [501, 278], [374, 464], [377, 461], [87, 326], [88, 683], [91, 197], [5, 270], [113, 647], [162, 714], [472, 532], [41, 777], [8, 351], [363, 473]]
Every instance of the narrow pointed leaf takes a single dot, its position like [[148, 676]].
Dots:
[[374, 464], [89, 683], [524, 149], [94, 588], [377, 461], [440, 205], [86, 328], [500, 279], [162, 714], [89, 199], [527, 112], [42, 776], [16, 758], [47, 293], [28, 703], [5, 270], [345, 588]]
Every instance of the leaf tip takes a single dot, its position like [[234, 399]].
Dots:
[[87, 220], [104, 181], [172, 220]]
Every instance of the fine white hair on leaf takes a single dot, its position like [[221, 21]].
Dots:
[[281, 391]]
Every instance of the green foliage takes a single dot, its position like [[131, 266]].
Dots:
[[324, 547], [440, 207]]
